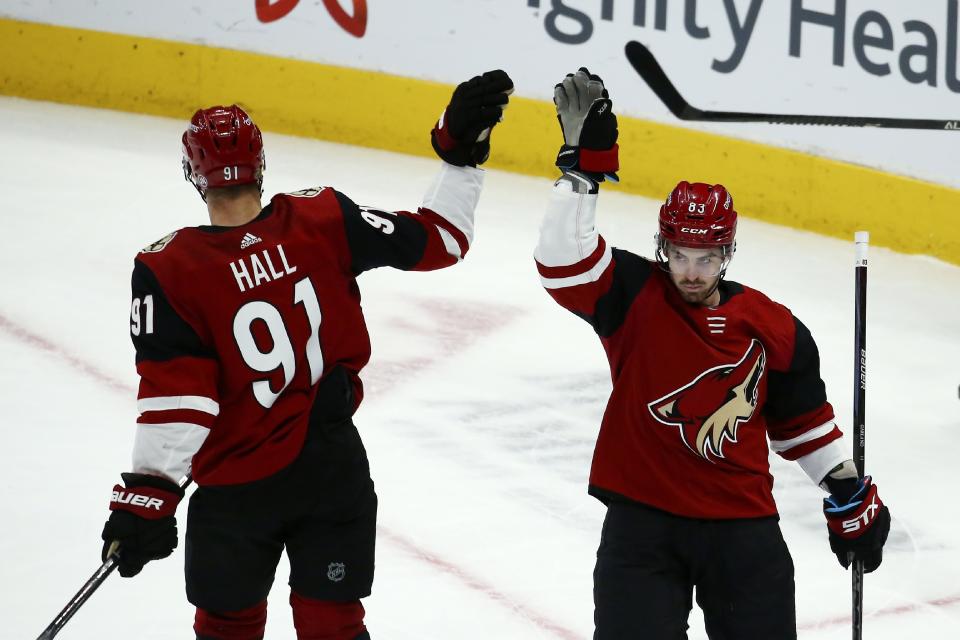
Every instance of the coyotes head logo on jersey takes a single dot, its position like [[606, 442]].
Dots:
[[159, 245], [709, 409]]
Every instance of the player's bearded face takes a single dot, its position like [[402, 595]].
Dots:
[[695, 272]]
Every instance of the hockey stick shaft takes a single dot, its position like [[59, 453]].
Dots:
[[653, 74], [81, 597], [91, 585], [861, 244]]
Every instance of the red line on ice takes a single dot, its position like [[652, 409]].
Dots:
[[945, 601], [478, 584], [37, 341], [470, 581]]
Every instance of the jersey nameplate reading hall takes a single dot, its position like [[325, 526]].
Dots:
[[260, 272]]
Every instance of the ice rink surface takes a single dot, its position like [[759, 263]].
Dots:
[[483, 397]]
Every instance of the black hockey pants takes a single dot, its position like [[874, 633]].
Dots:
[[649, 563]]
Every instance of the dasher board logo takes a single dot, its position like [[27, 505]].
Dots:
[[159, 245], [708, 410]]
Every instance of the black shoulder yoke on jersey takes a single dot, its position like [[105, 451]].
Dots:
[[166, 335], [799, 389], [728, 289], [630, 273], [383, 239]]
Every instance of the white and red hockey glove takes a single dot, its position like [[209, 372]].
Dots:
[[462, 135], [858, 523], [589, 126], [142, 522]]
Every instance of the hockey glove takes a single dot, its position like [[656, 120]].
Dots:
[[589, 126], [142, 522], [858, 524], [462, 135]]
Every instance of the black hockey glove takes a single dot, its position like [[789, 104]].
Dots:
[[142, 523], [462, 135], [858, 523], [589, 127]]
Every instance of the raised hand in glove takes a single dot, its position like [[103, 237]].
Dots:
[[462, 135], [589, 126], [142, 522], [858, 522]]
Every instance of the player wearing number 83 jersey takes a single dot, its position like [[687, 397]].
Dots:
[[250, 340], [708, 376]]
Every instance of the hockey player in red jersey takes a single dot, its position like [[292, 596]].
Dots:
[[704, 371], [249, 340]]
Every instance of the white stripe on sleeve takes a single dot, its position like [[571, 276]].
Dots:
[[166, 403], [817, 464], [450, 243], [779, 446], [568, 233], [167, 449], [591, 275], [453, 196]]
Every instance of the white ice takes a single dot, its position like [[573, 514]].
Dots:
[[483, 400]]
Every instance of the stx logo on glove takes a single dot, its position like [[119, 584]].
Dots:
[[863, 519], [858, 526], [135, 500]]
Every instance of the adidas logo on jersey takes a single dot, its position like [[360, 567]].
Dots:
[[249, 239]]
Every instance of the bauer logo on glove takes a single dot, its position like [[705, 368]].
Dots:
[[120, 496]]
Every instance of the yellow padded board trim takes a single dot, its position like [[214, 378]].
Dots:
[[352, 106]]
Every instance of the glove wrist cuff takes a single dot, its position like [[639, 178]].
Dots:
[[597, 165], [148, 497], [604, 161], [441, 135], [851, 520]]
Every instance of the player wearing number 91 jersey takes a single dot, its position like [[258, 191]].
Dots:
[[234, 327], [250, 340]]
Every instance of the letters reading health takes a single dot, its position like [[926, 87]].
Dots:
[[881, 43]]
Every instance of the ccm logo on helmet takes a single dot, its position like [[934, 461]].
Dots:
[[136, 500], [689, 230], [861, 521]]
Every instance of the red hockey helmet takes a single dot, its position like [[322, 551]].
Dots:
[[222, 147], [698, 215]]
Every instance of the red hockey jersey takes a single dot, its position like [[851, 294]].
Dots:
[[245, 335], [697, 391]]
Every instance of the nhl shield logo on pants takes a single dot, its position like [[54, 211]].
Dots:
[[336, 571]]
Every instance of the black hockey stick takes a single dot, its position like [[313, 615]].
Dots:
[[650, 70], [861, 244], [91, 585]]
